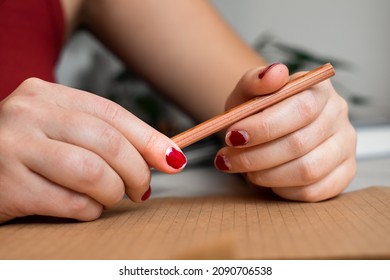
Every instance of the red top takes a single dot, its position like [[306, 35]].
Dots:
[[31, 37]]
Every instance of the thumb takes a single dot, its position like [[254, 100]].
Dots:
[[258, 81]]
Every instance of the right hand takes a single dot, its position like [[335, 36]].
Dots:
[[69, 153]]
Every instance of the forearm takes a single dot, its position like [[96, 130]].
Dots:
[[183, 48]]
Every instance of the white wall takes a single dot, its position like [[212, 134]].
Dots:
[[353, 30]]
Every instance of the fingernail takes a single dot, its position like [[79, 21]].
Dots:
[[222, 163], [175, 158], [266, 69], [147, 194], [237, 137]]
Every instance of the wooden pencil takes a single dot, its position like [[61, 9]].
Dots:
[[253, 106]]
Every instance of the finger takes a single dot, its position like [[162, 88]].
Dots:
[[38, 196], [76, 169], [327, 188], [277, 152], [310, 168], [282, 118], [281, 150], [158, 150], [99, 137], [259, 81]]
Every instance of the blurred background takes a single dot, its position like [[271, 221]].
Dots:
[[351, 34]]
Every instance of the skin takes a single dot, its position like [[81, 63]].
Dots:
[[303, 147], [70, 153]]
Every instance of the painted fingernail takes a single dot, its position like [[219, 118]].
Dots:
[[237, 137], [222, 163], [266, 69], [147, 194], [175, 158]]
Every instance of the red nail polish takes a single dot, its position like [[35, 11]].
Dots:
[[221, 163], [147, 194], [237, 137], [175, 158], [266, 69]]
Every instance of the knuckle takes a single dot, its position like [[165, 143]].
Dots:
[[111, 111], [91, 169], [296, 143], [93, 214], [245, 162], [152, 141], [309, 194], [30, 84], [80, 207], [265, 129], [95, 179], [344, 108], [346, 143], [255, 178], [32, 87], [353, 137], [114, 193], [112, 141], [307, 106], [77, 204], [21, 101], [15, 106], [309, 170]]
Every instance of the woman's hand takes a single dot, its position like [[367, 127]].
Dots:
[[303, 147], [69, 153]]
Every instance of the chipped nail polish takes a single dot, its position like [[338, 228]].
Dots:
[[266, 69], [221, 163], [237, 137], [147, 194], [175, 158]]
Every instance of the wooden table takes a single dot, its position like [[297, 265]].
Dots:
[[355, 225]]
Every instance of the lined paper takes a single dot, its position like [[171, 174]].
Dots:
[[355, 225]]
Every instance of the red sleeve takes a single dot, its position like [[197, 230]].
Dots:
[[31, 38]]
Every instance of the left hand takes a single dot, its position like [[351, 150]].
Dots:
[[303, 147]]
